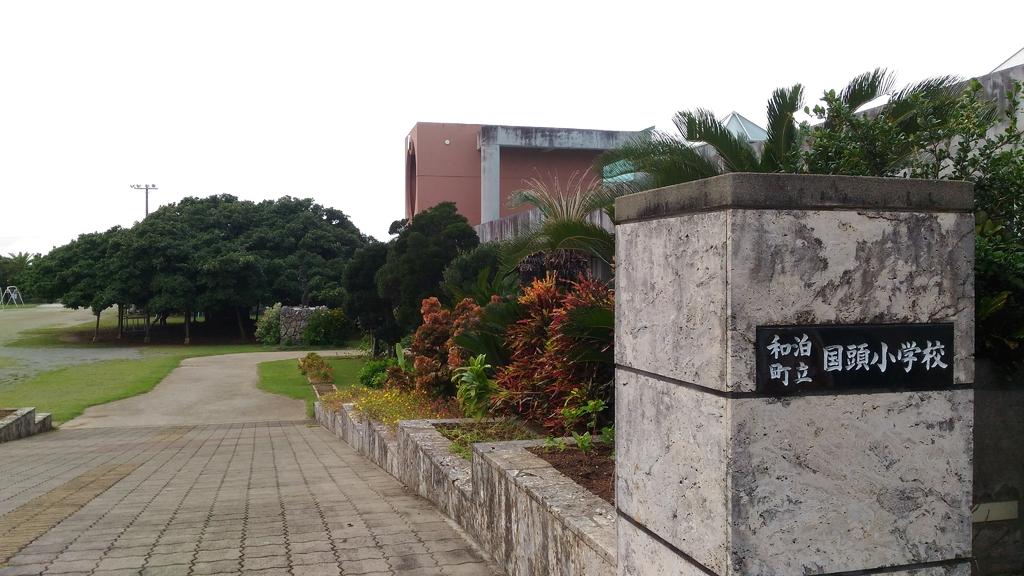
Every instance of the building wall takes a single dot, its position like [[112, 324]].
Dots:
[[444, 172], [520, 164], [439, 172]]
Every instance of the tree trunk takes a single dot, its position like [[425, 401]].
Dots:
[[120, 321], [241, 327], [188, 322], [96, 334]]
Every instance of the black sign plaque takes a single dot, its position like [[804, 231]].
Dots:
[[853, 357]]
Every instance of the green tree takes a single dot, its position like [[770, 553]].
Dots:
[[418, 256], [477, 274], [78, 274], [363, 302]]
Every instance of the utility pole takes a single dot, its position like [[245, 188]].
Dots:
[[147, 188]]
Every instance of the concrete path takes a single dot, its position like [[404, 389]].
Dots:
[[205, 390], [283, 498]]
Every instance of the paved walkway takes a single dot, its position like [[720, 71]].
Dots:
[[267, 498], [220, 389]]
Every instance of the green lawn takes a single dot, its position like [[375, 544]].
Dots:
[[67, 392], [7, 362], [283, 377]]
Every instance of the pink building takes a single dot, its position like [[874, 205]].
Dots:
[[479, 167]]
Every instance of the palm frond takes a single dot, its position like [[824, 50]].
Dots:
[[658, 159], [559, 235], [700, 125], [779, 153], [936, 96], [865, 87], [556, 202]]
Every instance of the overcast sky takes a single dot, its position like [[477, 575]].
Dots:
[[314, 99]]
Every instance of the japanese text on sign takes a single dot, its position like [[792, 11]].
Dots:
[[858, 356]]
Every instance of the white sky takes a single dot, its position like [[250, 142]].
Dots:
[[314, 98]]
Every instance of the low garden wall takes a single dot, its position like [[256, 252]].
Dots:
[[530, 518], [22, 422]]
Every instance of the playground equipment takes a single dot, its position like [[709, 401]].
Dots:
[[11, 297]]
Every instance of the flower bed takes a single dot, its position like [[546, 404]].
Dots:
[[594, 469], [464, 434], [528, 516]]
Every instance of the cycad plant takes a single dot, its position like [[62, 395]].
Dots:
[[846, 140], [664, 159]]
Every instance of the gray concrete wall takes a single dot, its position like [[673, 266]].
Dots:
[[20, 424], [528, 517], [716, 477]]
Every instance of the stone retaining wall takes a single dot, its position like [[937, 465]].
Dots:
[[22, 423], [294, 320], [530, 518]]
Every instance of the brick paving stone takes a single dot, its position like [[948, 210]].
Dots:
[[262, 499]]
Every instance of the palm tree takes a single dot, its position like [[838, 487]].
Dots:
[[566, 234], [664, 159], [880, 141]]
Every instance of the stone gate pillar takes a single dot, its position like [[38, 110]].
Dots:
[[794, 377]]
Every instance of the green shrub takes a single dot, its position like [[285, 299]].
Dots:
[[268, 329], [328, 328], [474, 387], [374, 373]]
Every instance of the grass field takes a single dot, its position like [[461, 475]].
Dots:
[[67, 392], [283, 377]]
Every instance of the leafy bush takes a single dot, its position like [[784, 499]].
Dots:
[[316, 369], [474, 387], [555, 364], [268, 329], [374, 372], [435, 352], [328, 328]]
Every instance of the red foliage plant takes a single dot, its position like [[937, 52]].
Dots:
[[435, 354], [547, 364]]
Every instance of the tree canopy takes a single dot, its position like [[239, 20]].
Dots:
[[418, 256], [217, 254]]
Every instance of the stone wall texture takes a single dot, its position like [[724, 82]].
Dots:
[[294, 320], [528, 517], [23, 422], [715, 476]]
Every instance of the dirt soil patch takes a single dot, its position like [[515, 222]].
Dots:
[[464, 435], [594, 470], [323, 389]]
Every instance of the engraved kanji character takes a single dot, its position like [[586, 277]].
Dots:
[[931, 356], [908, 355], [778, 371], [833, 358], [858, 357], [801, 374], [803, 346], [882, 359], [777, 348]]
